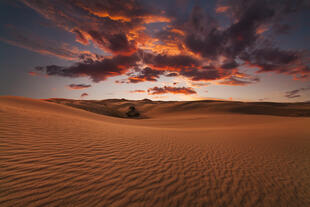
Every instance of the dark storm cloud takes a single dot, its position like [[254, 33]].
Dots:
[[184, 65], [97, 70], [230, 65], [279, 61], [170, 61], [273, 56], [169, 89], [103, 22], [204, 36], [194, 46], [78, 86], [116, 43], [119, 43]]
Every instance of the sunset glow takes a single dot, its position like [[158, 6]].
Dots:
[[255, 49]]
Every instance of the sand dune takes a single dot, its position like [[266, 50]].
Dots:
[[151, 109], [55, 155]]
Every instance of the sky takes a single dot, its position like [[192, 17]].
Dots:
[[244, 50]]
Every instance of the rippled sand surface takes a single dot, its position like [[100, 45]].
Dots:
[[54, 155]]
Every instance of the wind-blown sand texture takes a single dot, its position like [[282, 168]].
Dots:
[[56, 155]]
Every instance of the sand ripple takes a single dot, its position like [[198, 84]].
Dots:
[[55, 159]]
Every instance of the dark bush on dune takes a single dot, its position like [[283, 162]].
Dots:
[[132, 113]]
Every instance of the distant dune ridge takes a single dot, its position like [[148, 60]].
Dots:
[[202, 153], [148, 108]]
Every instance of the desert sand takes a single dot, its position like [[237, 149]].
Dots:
[[177, 154]]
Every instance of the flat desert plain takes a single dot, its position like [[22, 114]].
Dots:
[[177, 154]]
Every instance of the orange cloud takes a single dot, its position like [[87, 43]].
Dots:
[[136, 79], [261, 29], [123, 16], [106, 14], [153, 19], [33, 73], [221, 9], [178, 31]]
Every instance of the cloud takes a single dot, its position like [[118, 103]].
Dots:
[[120, 43], [204, 36], [35, 43], [279, 61], [173, 74], [199, 84], [169, 89], [97, 70], [78, 86], [295, 93], [170, 62], [196, 47], [84, 95], [221, 9], [233, 81], [138, 91], [188, 66], [109, 24], [122, 11], [239, 79], [230, 65], [207, 74], [147, 74]]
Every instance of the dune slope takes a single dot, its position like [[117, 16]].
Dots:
[[56, 155]]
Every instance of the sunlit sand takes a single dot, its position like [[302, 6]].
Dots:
[[193, 154]]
